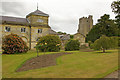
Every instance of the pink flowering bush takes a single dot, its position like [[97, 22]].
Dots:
[[12, 43]]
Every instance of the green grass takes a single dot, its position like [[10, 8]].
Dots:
[[76, 65]]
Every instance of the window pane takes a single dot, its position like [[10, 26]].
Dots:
[[22, 29], [39, 30], [7, 29]]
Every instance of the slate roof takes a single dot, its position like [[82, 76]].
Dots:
[[38, 12], [52, 32], [17, 21], [64, 37], [13, 19]]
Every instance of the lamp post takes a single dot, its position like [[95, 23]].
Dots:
[[45, 47], [37, 48]]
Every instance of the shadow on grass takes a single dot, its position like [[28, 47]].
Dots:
[[105, 52]]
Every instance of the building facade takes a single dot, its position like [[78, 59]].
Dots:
[[30, 28], [85, 25]]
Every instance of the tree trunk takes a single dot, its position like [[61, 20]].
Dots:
[[37, 53], [103, 50]]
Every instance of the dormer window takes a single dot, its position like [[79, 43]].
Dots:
[[7, 29], [23, 29], [39, 30]]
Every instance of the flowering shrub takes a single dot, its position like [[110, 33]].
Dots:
[[13, 44], [49, 43]]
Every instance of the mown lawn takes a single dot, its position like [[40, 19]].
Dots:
[[76, 65]]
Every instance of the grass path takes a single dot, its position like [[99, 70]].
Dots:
[[77, 65]]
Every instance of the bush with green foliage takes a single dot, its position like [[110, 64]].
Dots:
[[90, 44], [12, 43], [49, 43], [72, 45], [71, 36], [104, 43]]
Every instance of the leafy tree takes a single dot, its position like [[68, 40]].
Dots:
[[105, 26], [72, 45], [49, 43], [116, 9], [104, 43], [93, 34], [12, 43], [114, 42]]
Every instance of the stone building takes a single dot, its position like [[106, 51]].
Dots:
[[85, 25], [30, 28], [64, 38]]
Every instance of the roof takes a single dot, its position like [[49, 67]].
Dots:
[[52, 32], [38, 12], [18, 21], [64, 37], [80, 34], [13, 19]]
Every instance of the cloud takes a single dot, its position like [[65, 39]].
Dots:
[[64, 14], [12, 8]]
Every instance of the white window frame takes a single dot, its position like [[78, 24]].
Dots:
[[23, 30], [39, 31], [7, 30]]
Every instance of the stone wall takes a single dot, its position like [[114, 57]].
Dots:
[[79, 37], [0, 38], [35, 35], [16, 29], [34, 20]]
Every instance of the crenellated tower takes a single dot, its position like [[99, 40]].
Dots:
[[85, 25]]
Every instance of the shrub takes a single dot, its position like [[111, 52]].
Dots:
[[49, 43], [12, 43], [72, 45]]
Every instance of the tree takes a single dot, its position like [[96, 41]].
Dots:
[[114, 42], [116, 9], [93, 34], [105, 26], [104, 43]]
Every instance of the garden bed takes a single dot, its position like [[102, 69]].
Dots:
[[40, 62]]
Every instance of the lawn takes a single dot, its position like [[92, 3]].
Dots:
[[77, 65]]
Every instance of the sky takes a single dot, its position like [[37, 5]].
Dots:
[[63, 14]]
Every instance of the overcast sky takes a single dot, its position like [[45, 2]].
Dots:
[[64, 14]]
